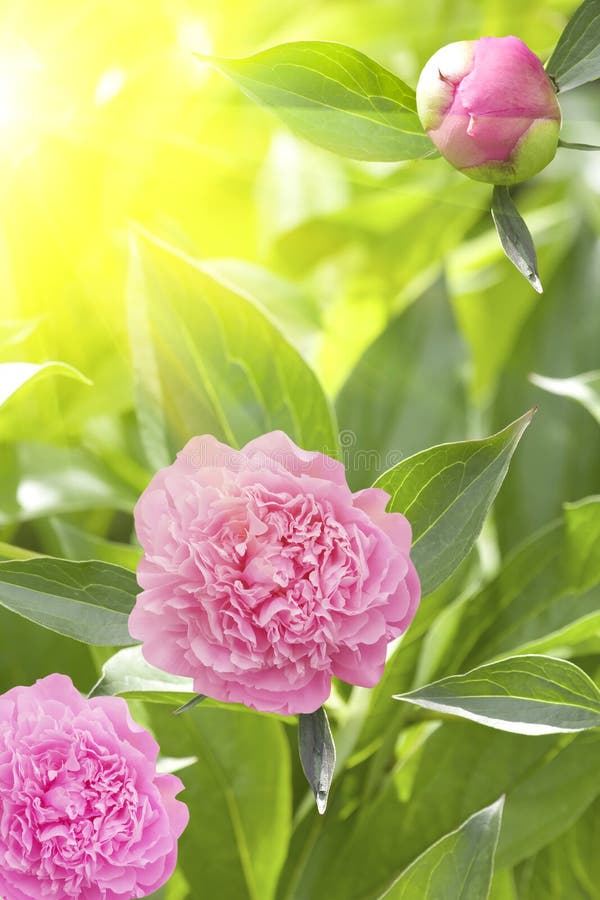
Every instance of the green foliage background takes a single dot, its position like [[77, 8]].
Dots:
[[385, 284]]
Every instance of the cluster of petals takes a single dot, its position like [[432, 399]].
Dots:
[[263, 575], [83, 811]]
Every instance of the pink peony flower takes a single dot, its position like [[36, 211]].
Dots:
[[83, 812], [263, 575], [490, 109]]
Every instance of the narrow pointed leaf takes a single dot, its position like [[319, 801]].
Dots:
[[446, 492], [523, 694], [514, 236], [14, 375], [335, 97], [569, 145], [88, 601], [317, 754], [576, 57], [199, 698], [584, 388], [460, 864]]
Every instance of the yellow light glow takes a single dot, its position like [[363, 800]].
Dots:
[[19, 71]]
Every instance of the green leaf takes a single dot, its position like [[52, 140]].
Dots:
[[458, 865], [568, 867], [585, 389], [42, 480], [446, 492], [239, 797], [522, 694], [386, 409], [223, 367], [576, 57], [458, 768], [88, 601], [127, 673], [14, 375], [561, 457], [334, 96], [514, 236], [74, 543], [550, 798], [569, 145], [546, 596], [317, 754]]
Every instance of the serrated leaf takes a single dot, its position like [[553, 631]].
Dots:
[[460, 864], [335, 97], [446, 492], [88, 601], [514, 236], [585, 389], [317, 754], [576, 57], [15, 375], [522, 694]]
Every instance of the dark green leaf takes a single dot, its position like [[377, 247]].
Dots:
[[576, 57], [514, 236], [88, 601], [439, 780], [446, 492], [522, 694], [386, 409], [545, 597], [334, 96], [317, 754], [459, 865]]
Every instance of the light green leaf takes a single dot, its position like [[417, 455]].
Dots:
[[514, 236], [239, 796], [42, 480], [446, 492], [585, 389], [223, 367], [522, 694], [14, 375], [127, 673], [459, 865], [576, 57], [88, 601], [334, 96]]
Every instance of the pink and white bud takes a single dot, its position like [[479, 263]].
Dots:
[[490, 109]]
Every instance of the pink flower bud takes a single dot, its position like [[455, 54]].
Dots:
[[490, 109]]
